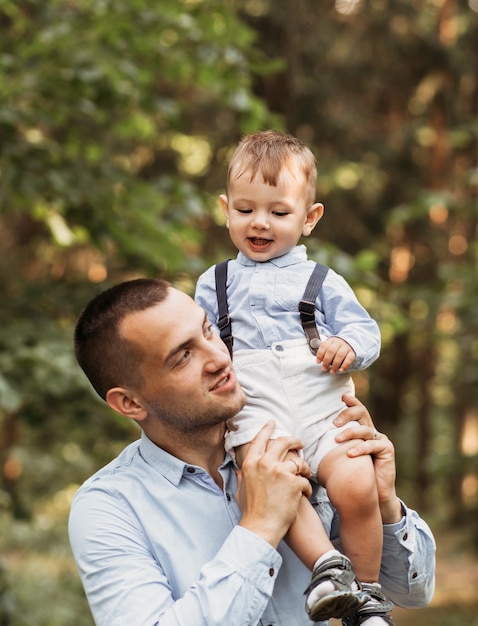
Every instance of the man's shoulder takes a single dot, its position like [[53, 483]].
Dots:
[[115, 470]]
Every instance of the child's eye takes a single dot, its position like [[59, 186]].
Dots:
[[280, 213], [244, 211]]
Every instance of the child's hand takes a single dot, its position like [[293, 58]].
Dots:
[[335, 355]]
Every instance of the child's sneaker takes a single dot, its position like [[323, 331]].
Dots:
[[374, 612], [345, 594]]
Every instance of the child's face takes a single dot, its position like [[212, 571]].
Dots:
[[266, 222]]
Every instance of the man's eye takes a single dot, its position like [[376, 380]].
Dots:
[[208, 330], [185, 356]]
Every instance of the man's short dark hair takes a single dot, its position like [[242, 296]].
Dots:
[[107, 358]]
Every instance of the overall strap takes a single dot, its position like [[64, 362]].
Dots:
[[307, 306], [223, 320]]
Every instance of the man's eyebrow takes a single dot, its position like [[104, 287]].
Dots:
[[183, 345]]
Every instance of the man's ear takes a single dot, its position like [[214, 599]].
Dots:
[[314, 214], [126, 403], [225, 207]]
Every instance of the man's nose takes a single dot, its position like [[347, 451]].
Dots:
[[218, 354]]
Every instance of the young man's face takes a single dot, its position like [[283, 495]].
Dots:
[[266, 222], [189, 382]]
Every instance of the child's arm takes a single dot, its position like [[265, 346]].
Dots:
[[335, 355], [343, 319], [205, 294]]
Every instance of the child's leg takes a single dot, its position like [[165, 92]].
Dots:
[[351, 487], [334, 590], [350, 483], [306, 536]]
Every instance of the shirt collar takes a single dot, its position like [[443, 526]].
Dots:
[[172, 468], [295, 255]]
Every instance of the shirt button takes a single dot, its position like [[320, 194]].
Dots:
[[190, 470], [414, 575], [279, 348], [271, 572], [228, 497], [405, 536]]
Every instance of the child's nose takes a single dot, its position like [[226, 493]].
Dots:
[[260, 221]]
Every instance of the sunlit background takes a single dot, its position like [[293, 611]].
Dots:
[[117, 120]]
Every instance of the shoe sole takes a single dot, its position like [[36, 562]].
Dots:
[[337, 604]]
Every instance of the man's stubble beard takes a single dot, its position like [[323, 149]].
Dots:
[[190, 421]]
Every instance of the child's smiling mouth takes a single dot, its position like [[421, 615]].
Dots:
[[259, 241]]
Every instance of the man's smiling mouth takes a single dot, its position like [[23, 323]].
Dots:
[[222, 382]]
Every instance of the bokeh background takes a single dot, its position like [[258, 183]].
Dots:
[[117, 119]]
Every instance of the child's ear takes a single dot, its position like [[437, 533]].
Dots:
[[314, 214], [225, 207]]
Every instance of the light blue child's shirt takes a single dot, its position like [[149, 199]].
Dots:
[[263, 303]]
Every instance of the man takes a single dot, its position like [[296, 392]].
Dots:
[[169, 533]]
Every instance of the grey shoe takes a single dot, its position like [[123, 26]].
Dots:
[[377, 606], [344, 600]]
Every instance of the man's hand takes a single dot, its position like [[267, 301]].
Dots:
[[335, 355], [271, 483], [381, 450]]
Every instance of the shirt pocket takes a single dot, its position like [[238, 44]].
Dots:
[[288, 291]]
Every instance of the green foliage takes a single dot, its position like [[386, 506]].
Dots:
[[94, 95], [105, 119]]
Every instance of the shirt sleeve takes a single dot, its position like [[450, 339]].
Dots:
[[206, 296], [407, 571], [126, 585], [408, 561], [343, 316]]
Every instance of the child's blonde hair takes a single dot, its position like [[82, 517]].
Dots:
[[267, 152]]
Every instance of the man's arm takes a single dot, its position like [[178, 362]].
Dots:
[[408, 561], [131, 579], [125, 583]]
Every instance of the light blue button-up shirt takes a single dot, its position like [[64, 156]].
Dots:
[[157, 543], [263, 303]]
